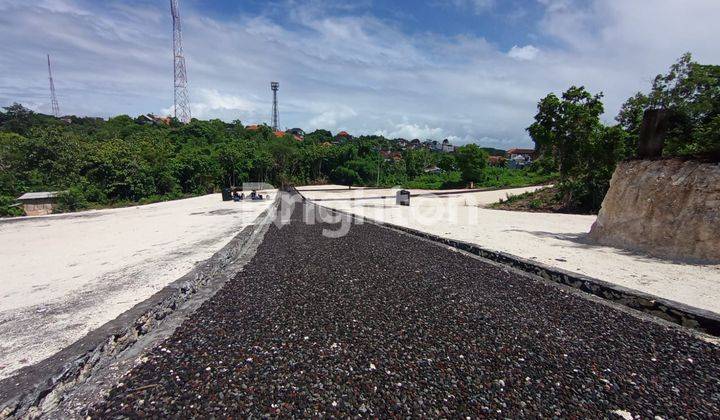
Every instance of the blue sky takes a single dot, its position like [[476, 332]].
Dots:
[[504, 23], [467, 70]]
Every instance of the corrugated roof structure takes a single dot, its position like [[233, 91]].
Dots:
[[38, 195]]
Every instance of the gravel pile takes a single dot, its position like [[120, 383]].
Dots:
[[377, 323]]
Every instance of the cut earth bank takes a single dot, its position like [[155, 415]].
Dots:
[[669, 208]]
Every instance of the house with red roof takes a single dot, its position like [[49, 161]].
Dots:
[[343, 136], [519, 158]]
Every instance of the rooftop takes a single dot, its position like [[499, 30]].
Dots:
[[38, 195], [521, 151]]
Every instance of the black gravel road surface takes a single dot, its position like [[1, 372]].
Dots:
[[378, 323]]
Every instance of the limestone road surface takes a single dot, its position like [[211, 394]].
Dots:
[[378, 323]]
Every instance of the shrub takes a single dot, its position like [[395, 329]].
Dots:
[[7, 207], [73, 199]]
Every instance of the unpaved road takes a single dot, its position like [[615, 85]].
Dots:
[[557, 240], [378, 323]]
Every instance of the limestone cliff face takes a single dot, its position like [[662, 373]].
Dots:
[[665, 208]]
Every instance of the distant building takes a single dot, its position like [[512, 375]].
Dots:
[[343, 136], [432, 170], [38, 203], [519, 158], [496, 161], [446, 147], [297, 133], [391, 156], [150, 119], [144, 120], [277, 133]]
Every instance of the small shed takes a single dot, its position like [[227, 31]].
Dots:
[[39, 203]]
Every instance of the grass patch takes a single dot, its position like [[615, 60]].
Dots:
[[545, 200]]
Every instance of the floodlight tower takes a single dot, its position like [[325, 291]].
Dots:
[[53, 97], [274, 86], [181, 98]]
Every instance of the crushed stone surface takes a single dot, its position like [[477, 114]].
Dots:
[[378, 323]]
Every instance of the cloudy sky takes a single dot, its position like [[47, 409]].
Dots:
[[468, 70]]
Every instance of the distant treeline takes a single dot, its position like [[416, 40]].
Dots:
[[123, 160]]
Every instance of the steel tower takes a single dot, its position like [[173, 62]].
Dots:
[[53, 97], [274, 86], [181, 98]]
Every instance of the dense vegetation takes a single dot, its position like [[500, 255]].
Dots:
[[125, 160], [571, 138]]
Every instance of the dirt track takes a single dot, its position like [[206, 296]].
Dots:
[[377, 323]]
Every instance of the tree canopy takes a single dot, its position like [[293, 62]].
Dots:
[[570, 137], [692, 92], [471, 160], [123, 159]]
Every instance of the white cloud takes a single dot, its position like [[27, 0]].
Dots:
[[350, 72], [332, 119], [528, 52], [210, 103], [412, 131]]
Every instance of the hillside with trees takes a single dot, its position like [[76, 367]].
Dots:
[[124, 160]]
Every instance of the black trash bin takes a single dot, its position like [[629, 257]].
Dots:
[[226, 194], [403, 198]]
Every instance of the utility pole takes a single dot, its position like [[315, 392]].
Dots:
[[181, 99], [377, 184], [274, 86], [53, 97], [378, 149]]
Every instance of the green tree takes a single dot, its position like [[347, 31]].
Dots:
[[471, 161], [319, 136], [345, 176], [692, 92], [447, 162], [16, 119], [73, 199], [236, 162], [53, 158], [12, 161], [416, 161], [568, 132], [117, 167], [195, 171], [630, 117]]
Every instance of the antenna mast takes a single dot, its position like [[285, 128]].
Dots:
[[181, 98], [274, 86], [53, 97]]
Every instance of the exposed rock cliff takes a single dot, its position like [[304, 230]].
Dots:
[[666, 208]]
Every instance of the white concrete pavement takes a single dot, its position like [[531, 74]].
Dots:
[[64, 275]]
